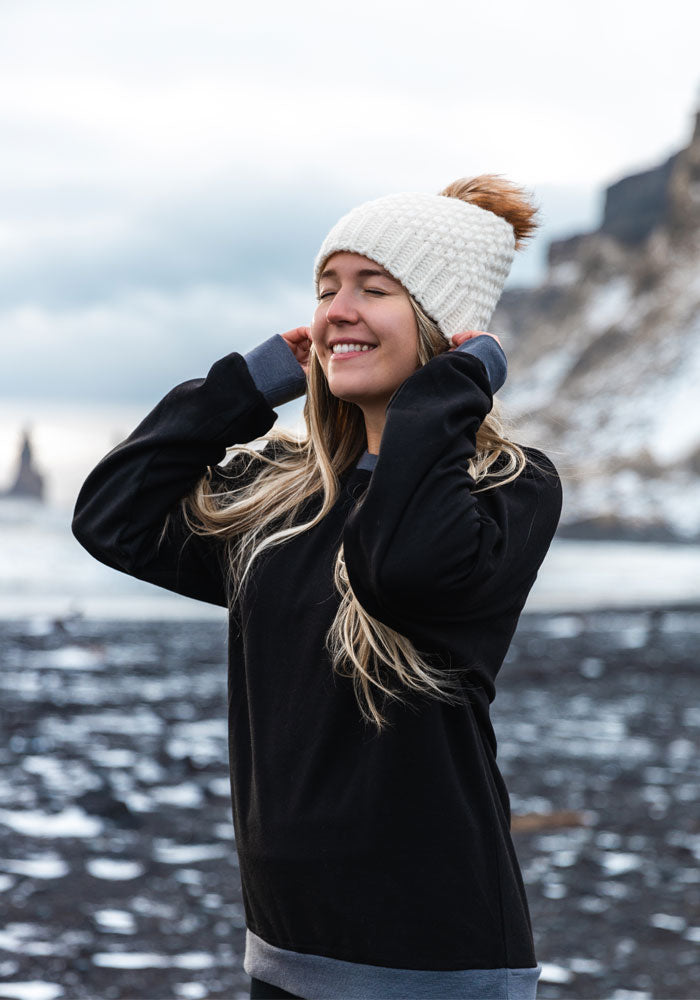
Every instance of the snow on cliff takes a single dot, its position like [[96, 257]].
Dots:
[[604, 359]]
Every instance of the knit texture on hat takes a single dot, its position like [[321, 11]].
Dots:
[[451, 256]]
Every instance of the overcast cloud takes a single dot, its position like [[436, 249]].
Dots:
[[169, 169]]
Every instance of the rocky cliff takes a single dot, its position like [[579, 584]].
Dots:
[[604, 359]]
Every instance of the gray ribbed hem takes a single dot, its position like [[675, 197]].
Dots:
[[276, 372], [315, 977]]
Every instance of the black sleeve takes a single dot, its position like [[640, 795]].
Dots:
[[123, 504], [423, 542]]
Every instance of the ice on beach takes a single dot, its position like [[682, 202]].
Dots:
[[205, 740], [221, 787], [685, 839], [26, 939], [691, 716], [188, 795], [633, 636], [47, 866], [620, 863], [592, 667], [113, 757], [39, 627], [554, 890], [32, 990], [224, 831], [115, 921], [142, 721], [189, 876], [681, 751], [130, 960], [558, 842], [113, 870], [190, 991], [564, 627], [169, 853], [564, 859], [152, 960], [668, 922], [555, 973], [66, 778], [72, 822], [586, 966], [67, 658], [194, 960], [621, 994], [614, 890]]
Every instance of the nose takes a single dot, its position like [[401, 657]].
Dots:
[[341, 308]]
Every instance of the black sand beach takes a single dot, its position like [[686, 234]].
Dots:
[[118, 873]]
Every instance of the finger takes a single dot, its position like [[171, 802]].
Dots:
[[298, 334], [467, 335]]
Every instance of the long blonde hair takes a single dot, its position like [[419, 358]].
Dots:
[[262, 510]]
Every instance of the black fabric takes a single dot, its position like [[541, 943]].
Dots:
[[264, 991], [389, 849]]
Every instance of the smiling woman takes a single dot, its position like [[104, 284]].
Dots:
[[374, 571], [364, 316]]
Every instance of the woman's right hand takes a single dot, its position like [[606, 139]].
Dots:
[[300, 343], [460, 338]]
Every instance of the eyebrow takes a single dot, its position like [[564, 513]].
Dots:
[[366, 272]]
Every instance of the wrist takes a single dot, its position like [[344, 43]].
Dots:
[[276, 371], [491, 354]]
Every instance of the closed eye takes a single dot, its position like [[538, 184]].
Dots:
[[370, 291]]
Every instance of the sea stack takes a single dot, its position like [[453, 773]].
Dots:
[[28, 482]]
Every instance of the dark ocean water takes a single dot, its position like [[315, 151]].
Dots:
[[118, 872]]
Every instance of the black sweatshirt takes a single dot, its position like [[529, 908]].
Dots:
[[372, 865]]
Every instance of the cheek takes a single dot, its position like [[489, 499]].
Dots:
[[409, 334], [317, 325]]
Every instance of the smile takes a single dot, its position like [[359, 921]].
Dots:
[[351, 350]]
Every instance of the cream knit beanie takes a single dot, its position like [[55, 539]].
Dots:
[[453, 257]]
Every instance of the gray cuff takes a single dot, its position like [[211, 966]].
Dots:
[[489, 351], [276, 372], [367, 461]]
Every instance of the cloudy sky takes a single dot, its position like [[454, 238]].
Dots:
[[169, 169]]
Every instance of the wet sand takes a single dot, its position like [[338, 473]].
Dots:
[[118, 874]]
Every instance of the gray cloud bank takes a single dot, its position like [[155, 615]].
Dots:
[[129, 265], [108, 296]]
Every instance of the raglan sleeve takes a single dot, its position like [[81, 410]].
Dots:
[[127, 511], [423, 542]]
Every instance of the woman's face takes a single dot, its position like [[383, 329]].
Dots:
[[361, 304]]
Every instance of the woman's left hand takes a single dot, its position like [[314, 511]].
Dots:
[[299, 340], [459, 338]]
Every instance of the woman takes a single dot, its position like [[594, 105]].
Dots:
[[375, 571]]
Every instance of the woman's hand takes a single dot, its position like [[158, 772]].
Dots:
[[460, 338], [300, 343]]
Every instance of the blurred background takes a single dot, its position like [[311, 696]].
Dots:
[[168, 173]]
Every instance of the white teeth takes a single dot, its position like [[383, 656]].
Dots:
[[345, 348]]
